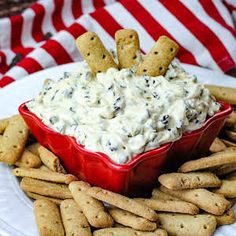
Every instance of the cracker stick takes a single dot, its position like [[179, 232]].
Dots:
[[3, 124], [94, 53], [217, 146], [217, 159], [158, 194], [38, 197], [228, 143], [127, 232], [130, 220], [179, 181], [13, 140], [225, 169], [223, 93], [92, 208], [45, 188], [182, 224], [228, 188], [231, 175], [204, 199], [230, 134], [28, 160], [48, 218], [45, 168], [127, 47], [73, 219], [159, 58], [50, 160], [122, 202], [170, 206], [231, 120], [34, 148], [44, 175], [227, 218]]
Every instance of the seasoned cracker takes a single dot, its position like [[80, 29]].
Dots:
[[179, 181], [127, 47], [231, 120], [217, 146], [34, 148], [3, 124], [13, 140], [227, 218], [215, 160], [170, 206], [158, 194], [122, 202], [48, 218], [45, 188], [73, 219], [94, 53], [50, 160], [182, 224], [228, 188], [44, 175], [130, 220], [92, 208], [225, 169], [28, 160], [210, 202], [127, 232], [223, 93], [38, 197], [159, 58]]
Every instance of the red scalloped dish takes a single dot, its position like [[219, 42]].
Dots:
[[142, 171]]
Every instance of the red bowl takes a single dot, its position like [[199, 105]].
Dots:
[[142, 171]]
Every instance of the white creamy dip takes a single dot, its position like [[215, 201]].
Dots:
[[122, 114]]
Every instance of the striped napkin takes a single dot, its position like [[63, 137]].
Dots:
[[44, 34]]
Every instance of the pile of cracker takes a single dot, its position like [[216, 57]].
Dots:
[[193, 201]]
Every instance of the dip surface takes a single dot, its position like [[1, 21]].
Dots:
[[121, 114]]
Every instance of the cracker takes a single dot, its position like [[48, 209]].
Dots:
[[13, 140], [38, 197], [130, 220], [225, 169], [127, 47], [127, 232], [94, 53], [45, 188], [29, 160], [74, 221], [227, 218], [217, 146], [34, 148], [159, 58], [223, 93], [182, 224], [158, 194], [48, 218], [45, 168], [3, 124], [44, 175], [231, 175], [170, 206], [228, 143], [122, 202], [215, 160], [228, 188], [50, 160], [230, 134], [92, 208], [231, 120], [210, 202], [179, 181]]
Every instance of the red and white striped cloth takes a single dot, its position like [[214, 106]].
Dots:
[[204, 29]]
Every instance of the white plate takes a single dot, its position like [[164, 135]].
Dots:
[[16, 215]]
